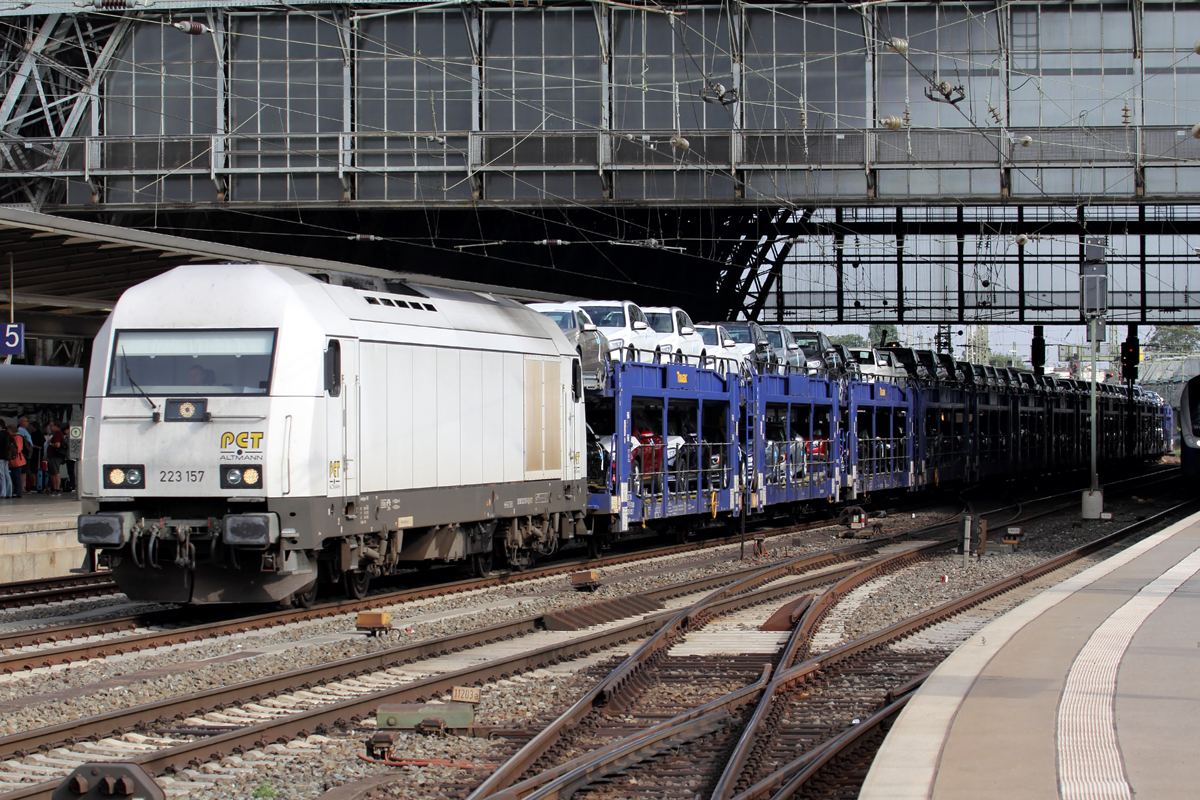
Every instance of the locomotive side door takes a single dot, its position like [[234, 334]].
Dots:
[[341, 431]]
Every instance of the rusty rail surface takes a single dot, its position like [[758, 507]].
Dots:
[[790, 677], [742, 592], [337, 714], [581, 768], [19, 594], [66, 654], [43, 738], [786, 781]]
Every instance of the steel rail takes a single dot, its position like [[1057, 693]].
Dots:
[[802, 635], [340, 713], [337, 714], [565, 779], [742, 592], [787, 678], [786, 781], [40, 591], [9, 664], [595, 764], [23, 742], [816, 612]]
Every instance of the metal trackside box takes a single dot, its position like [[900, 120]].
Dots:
[[407, 716], [373, 619]]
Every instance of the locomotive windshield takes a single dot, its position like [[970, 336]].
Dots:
[[191, 362]]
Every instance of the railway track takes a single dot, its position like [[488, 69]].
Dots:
[[66, 644], [180, 727], [319, 699], [21, 594], [796, 727]]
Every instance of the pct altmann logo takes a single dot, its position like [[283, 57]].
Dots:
[[244, 446]]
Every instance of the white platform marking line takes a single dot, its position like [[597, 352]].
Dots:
[[1090, 766]]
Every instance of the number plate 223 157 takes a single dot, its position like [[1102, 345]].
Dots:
[[180, 476]]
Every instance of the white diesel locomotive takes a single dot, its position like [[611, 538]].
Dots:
[[252, 429]]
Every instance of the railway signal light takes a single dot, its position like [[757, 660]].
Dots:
[[1130, 356]]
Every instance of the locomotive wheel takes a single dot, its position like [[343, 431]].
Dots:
[[594, 546], [356, 584], [306, 598], [481, 564]]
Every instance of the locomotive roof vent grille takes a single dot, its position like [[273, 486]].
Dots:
[[376, 301]]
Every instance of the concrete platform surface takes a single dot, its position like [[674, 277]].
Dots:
[[38, 512], [1088, 691]]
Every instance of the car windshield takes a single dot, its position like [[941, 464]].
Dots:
[[660, 321], [808, 341], [862, 356], [775, 338], [709, 335], [565, 320], [607, 316], [740, 334], [191, 362]]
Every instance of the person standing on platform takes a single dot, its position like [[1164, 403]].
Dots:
[[7, 448], [16, 463], [54, 456], [23, 432]]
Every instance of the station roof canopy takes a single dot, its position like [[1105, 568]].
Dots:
[[67, 274]]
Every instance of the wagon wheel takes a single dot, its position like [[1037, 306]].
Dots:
[[356, 584], [481, 564], [306, 598], [594, 546]]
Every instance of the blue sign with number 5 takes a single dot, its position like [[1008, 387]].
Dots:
[[12, 342]]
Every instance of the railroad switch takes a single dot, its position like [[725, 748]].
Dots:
[[106, 779]]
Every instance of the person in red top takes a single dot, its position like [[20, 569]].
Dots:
[[16, 464], [54, 458]]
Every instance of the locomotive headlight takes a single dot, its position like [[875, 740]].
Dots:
[[124, 476], [241, 476]]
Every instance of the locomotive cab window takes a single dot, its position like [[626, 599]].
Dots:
[[333, 368], [192, 362]]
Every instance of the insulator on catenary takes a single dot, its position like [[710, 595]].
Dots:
[[892, 122], [1196, 131], [680, 142], [193, 28], [898, 44]]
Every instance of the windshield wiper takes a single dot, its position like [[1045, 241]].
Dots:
[[133, 383]]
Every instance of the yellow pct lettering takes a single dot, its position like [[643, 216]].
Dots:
[[243, 439], [226, 440], [255, 439]]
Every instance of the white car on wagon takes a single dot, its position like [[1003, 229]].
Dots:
[[629, 333], [677, 336], [721, 352]]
